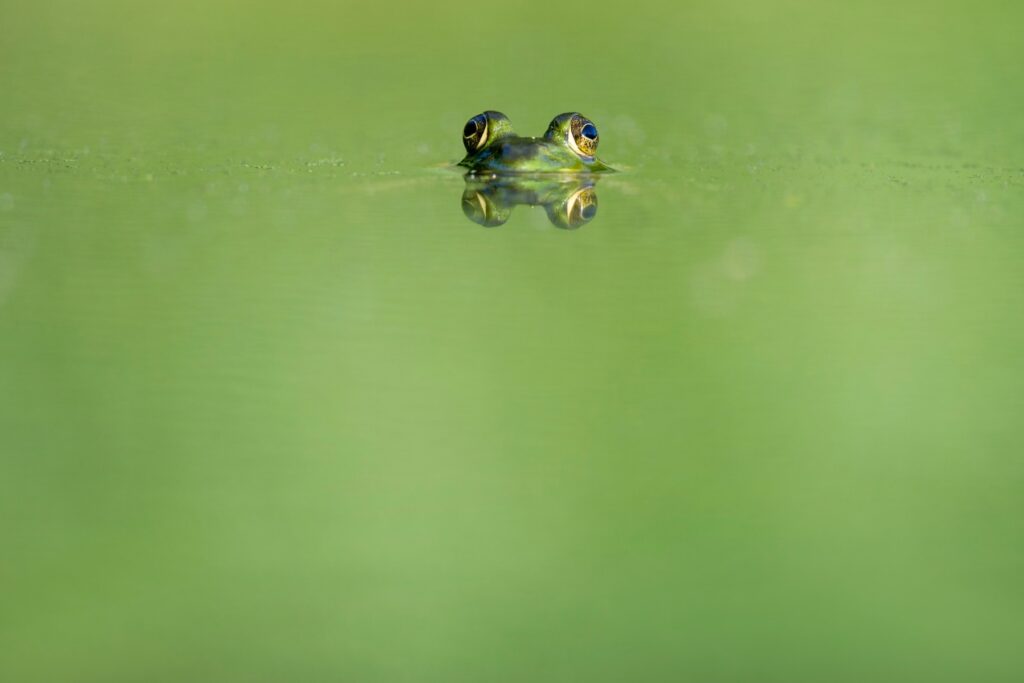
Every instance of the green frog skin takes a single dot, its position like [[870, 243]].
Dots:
[[568, 146]]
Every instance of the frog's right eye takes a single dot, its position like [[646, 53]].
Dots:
[[583, 135], [474, 135]]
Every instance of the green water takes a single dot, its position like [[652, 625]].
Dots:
[[273, 409]]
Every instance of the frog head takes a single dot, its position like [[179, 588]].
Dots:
[[568, 146]]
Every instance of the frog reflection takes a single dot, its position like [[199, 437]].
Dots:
[[570, 201]]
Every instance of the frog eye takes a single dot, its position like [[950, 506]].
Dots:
[[474, 135], [583, 135]]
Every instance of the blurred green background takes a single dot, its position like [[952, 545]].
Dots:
[[272, 409]]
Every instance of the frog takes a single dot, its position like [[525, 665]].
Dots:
[[568, 146], [569, 200]]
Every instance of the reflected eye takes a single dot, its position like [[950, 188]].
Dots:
[[474, 135], [480, 207], [583, 134], [577, 209]]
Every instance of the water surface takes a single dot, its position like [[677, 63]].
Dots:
[[272, 408]]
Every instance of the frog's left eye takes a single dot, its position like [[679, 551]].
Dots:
[[474, 135], [583, 135]]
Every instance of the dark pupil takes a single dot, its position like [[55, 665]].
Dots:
[[470, 129], [589, 131]]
